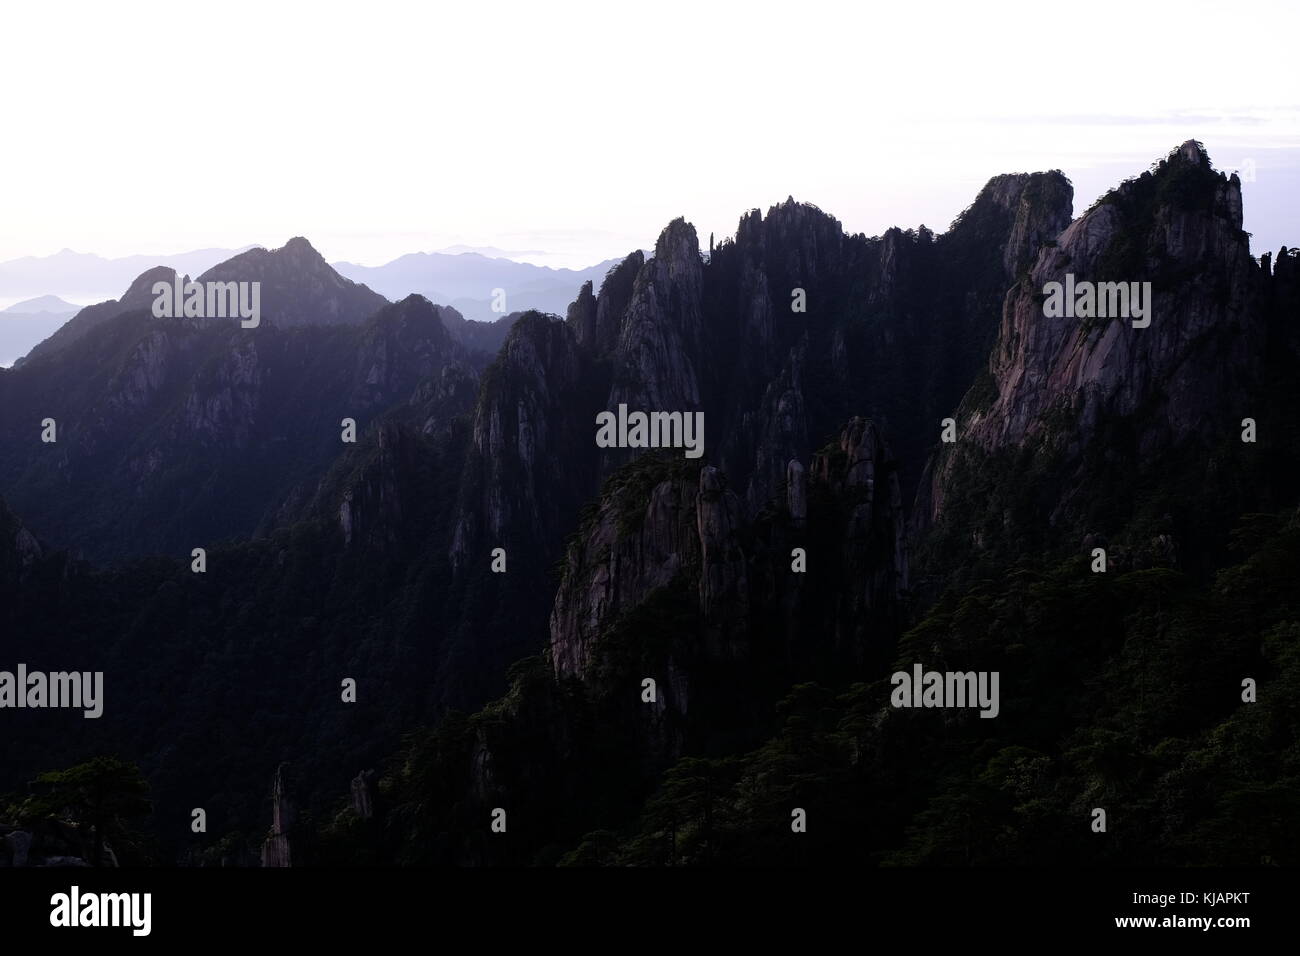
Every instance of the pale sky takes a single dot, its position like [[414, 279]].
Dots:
[[377, 129]]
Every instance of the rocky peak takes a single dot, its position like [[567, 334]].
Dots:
[[298, 287], [401, 346], [138, 297], [301, 250], [1042, 207], [414, 314], [1194, 152], [1057, 380], [678, 249], [275, 849], [582, 316], [661, 341], [1003, 191], [141, 295], [612, 302], [796, 242], [1023, 211], [1179, 229]]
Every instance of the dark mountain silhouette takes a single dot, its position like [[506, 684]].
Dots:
[[174, 432], [298, 286], [139, 297]]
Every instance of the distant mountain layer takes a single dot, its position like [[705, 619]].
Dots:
[[87, 275], [469, 282], [24, 324], [45, 304]]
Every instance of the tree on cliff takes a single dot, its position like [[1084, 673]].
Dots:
[[99, 795]]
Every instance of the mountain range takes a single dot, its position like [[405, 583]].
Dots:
[[906, 460], [31, 321], [466, 281], [462, 277], [82, 275]]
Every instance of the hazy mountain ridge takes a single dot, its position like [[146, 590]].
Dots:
[[34, 320], [138, 296], [71, 273], [470, 278], [468, 282], [41, 305]]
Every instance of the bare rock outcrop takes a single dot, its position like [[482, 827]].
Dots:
[[1055, 379], [276, 849], [526, 464], [661, 338]]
